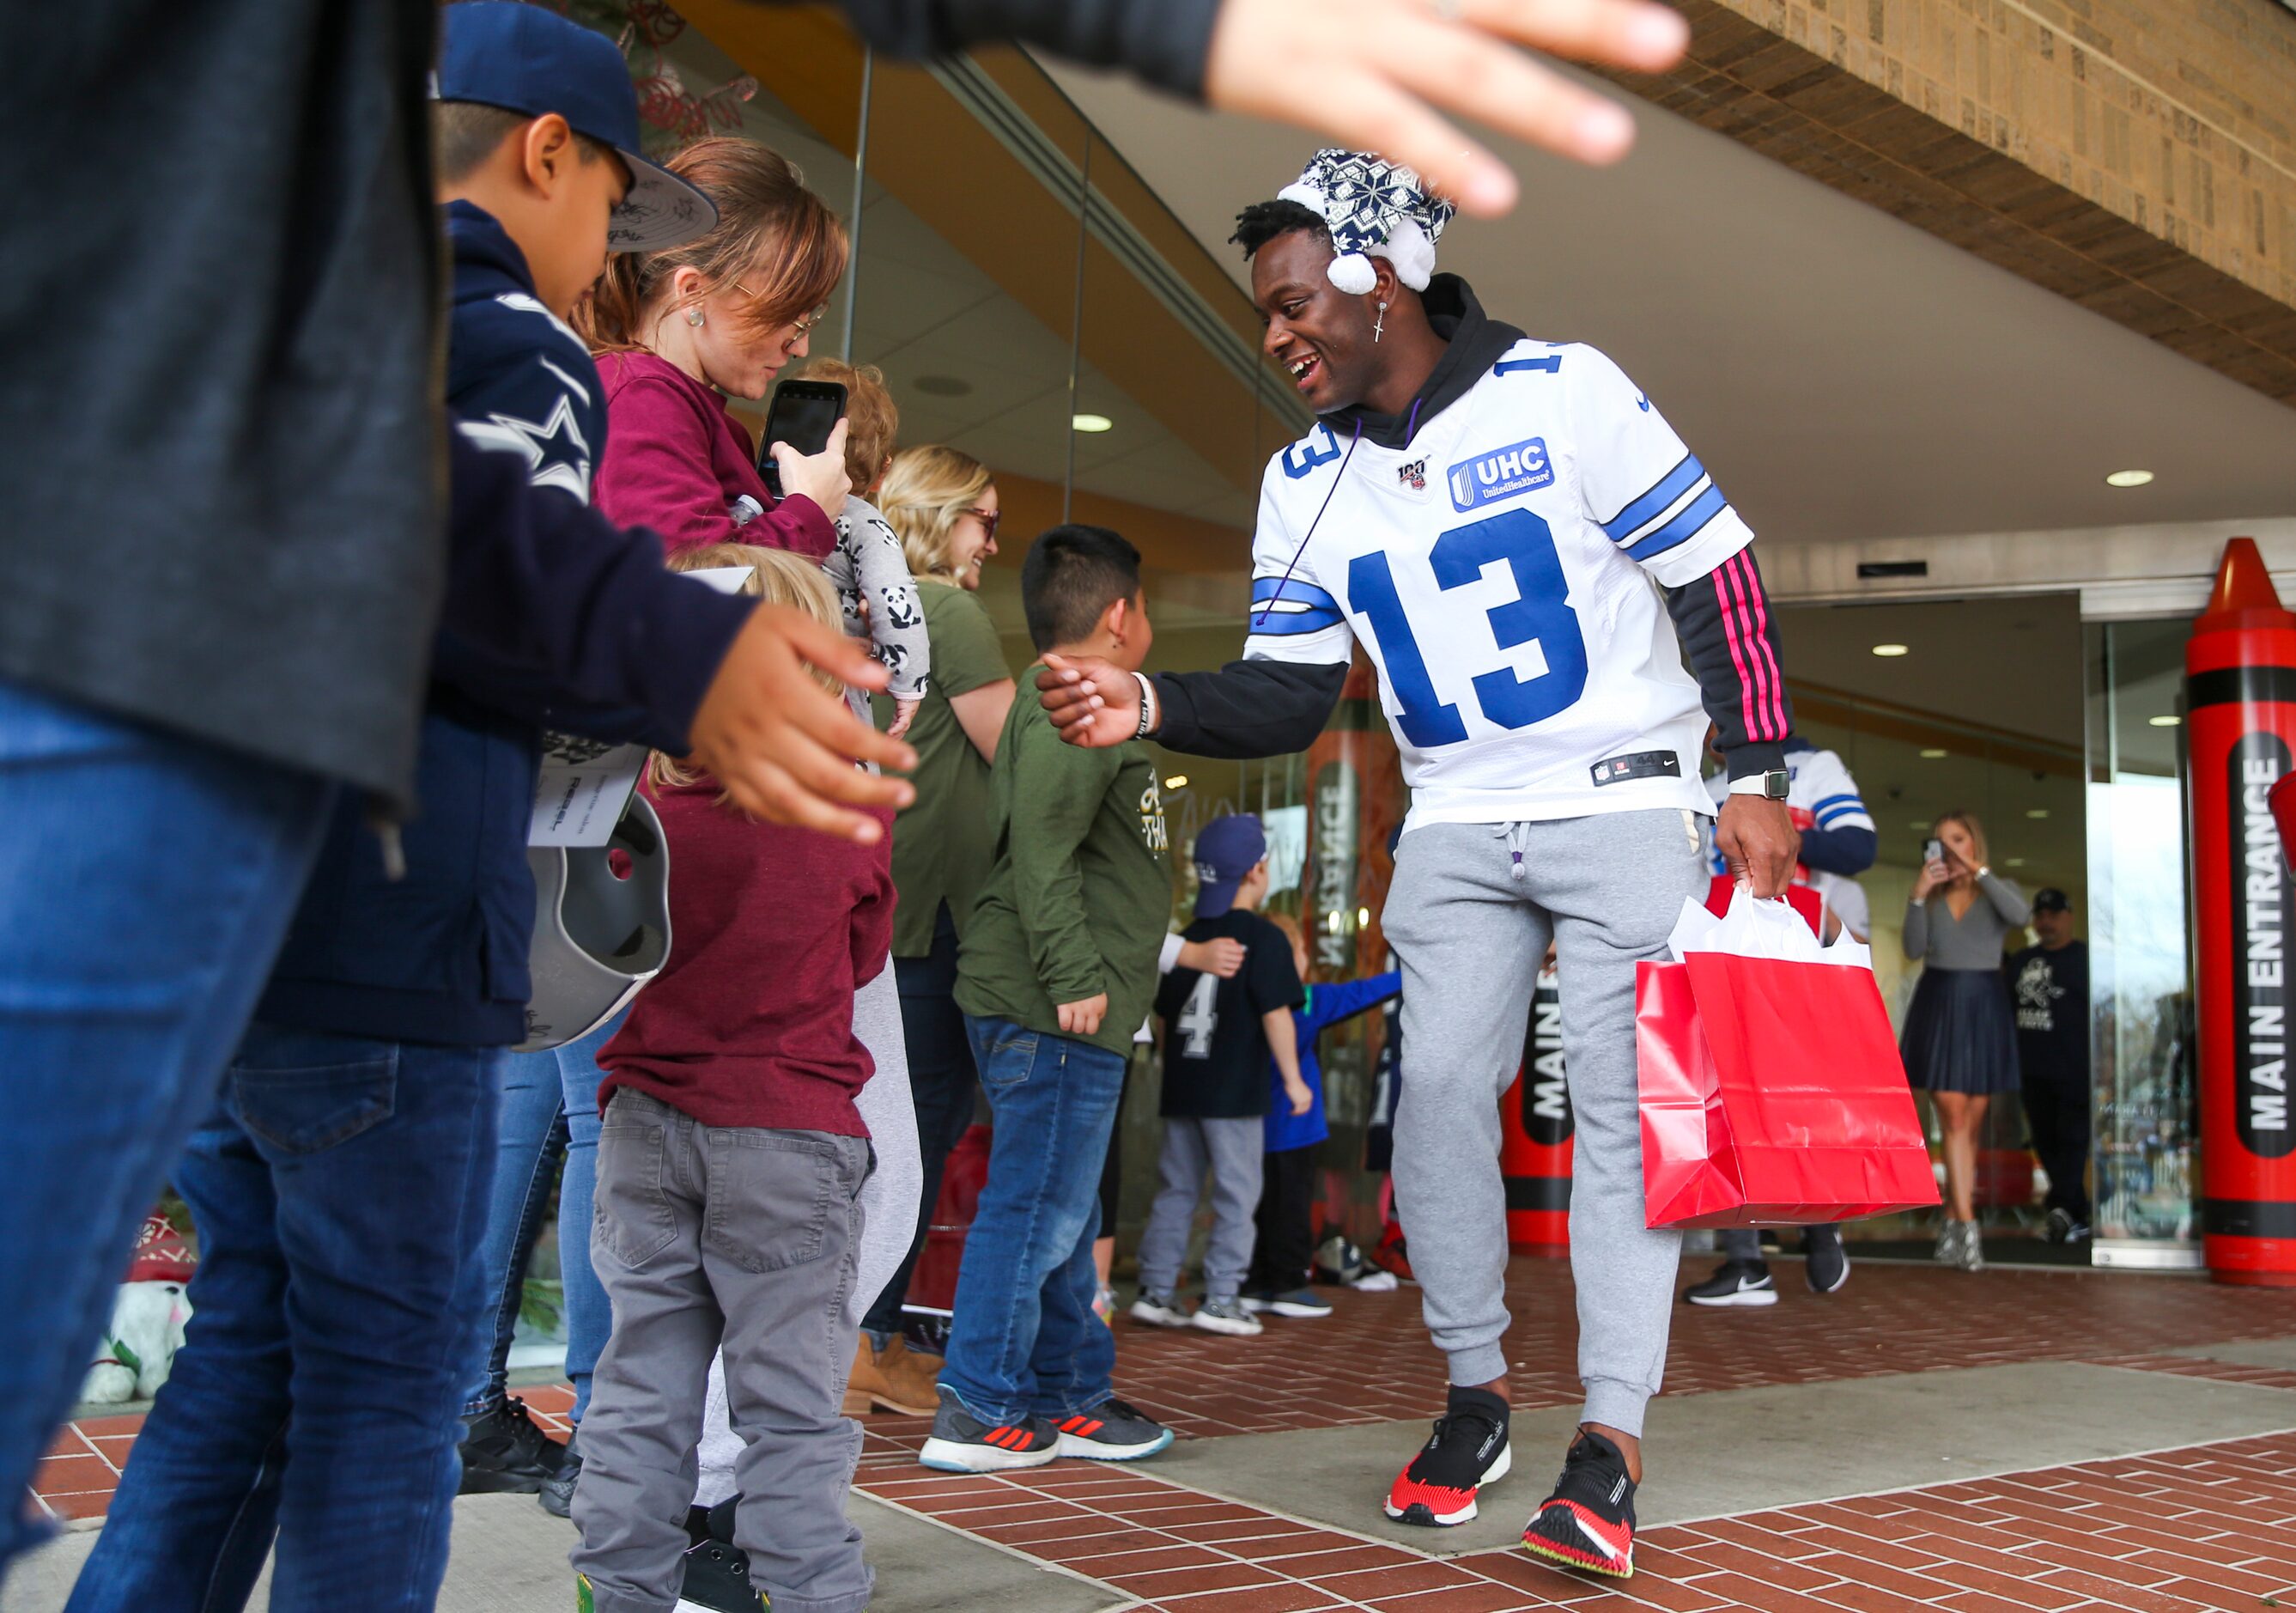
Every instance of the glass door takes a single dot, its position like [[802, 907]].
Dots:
[[2146, 1118]]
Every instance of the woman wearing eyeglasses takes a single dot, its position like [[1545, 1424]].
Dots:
[[677, 333], [944, 506]]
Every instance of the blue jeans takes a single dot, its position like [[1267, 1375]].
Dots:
[[549, 1109], [145, 881], [1024, 1340], [338, 1186]]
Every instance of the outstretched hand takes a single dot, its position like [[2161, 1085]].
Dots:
[[783, 746], [1377, 75], [1093, 703]]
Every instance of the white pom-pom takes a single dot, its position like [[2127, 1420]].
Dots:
[[1412, 253], [1351, 272], [1306, 195]]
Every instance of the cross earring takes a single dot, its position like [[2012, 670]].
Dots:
[[1379, 322]]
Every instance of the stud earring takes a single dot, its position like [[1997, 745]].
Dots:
[[694, 315], [1380, 323]]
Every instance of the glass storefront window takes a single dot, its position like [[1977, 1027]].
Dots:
[[2145, 1119]]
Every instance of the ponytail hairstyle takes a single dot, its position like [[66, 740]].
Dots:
[[774, 238], [777, 577], [925, 491]]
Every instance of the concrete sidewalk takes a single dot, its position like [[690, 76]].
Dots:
[[510, 1557]]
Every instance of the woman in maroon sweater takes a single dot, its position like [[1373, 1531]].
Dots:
[[676, 333]]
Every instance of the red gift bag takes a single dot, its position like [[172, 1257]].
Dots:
[[1771, 1091]]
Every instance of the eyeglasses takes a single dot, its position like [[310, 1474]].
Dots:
[[988, 520], [804, 324]]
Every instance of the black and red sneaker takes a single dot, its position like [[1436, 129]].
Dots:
[[1589, 1521], [961, 1443], [1467, 1451]]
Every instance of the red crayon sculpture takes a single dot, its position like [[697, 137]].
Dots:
[[2240, 670], [1535, 1134]]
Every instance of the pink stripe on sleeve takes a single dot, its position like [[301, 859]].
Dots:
[[1777, 679], [1730, 633]]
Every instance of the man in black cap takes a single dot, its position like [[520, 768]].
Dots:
[[2050, 982]]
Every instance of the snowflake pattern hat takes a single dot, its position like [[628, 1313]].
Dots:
[[1374, 208]]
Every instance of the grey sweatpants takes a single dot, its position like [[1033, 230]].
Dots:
[[1470, 924], [1229, 1151], [747, 1237]]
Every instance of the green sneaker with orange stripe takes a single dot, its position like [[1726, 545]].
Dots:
[[961, 1443]]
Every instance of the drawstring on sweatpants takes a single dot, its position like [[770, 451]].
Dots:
[[1517, 838]]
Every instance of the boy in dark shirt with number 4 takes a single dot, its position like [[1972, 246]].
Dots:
[[1218, 1037]]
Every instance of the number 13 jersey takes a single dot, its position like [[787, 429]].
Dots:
[[1502, 572]]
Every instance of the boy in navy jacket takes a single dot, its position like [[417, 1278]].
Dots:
[[1281, 1253]]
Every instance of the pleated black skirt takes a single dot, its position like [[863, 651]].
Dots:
[[1959, 1034]]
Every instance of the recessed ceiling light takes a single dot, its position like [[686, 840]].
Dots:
[[1922, 823], [1935, 755], [2014, 862], [2036, 812], [1093, 423], [1178, 781], [942, 386], [1889, 651], [2128, 478], [2166, 722], [1363, 918]]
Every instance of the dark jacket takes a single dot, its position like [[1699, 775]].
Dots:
[[1267, 708], [222, 327], [439, 953]]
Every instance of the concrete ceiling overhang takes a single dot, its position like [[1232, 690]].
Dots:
[[1844, 374]]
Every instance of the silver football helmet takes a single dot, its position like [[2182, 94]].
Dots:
[[597, 935]]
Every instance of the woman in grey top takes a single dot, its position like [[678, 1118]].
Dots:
[[1960, 1040]]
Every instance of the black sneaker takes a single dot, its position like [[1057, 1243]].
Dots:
[[556, 1495], [1589, 1521], [961, 1443], [716, 1577], [503, 1454], [1112, 1431], [1467, 1451], [1824, 1263], [1739, 1282]]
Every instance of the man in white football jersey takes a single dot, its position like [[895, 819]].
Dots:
[[1525, 550]]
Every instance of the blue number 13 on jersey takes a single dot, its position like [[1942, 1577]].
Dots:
[[1540, 614]]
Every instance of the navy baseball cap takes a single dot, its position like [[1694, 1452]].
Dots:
[[1226, 849], [2048, 899], [527, 59]]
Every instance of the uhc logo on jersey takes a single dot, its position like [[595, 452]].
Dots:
[[1511, 469]]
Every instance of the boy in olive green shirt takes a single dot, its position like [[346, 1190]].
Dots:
[[1057, 970]]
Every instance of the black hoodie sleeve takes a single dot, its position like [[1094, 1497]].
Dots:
[[552, 613], [1164, 42], [1248, 708], [1729, 632]]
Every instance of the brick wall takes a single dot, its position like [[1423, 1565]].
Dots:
[[2179, 117], [2137, 157]]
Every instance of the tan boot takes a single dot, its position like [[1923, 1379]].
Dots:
[[910, 1379], [861, 1389]]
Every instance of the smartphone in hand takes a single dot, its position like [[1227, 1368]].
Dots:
[[802, 414]]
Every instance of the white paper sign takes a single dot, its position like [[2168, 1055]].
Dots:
[[583, 788]]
